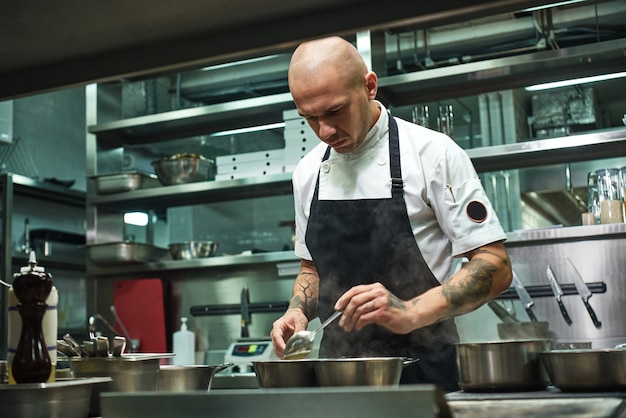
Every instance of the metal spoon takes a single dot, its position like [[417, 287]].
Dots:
[[300, 344]]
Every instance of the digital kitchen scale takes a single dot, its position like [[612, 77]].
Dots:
[[244, 351]]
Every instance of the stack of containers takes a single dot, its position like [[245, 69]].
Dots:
[[299, 139], [250, 164]]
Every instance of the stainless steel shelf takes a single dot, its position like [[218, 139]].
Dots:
[[234, 261], [604, 144], [26, 186], [192, 121], [584, 147], [196, 193], [572, 233], [502, 73]]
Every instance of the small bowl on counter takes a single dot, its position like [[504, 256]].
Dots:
[[192, 250], [183, 169]]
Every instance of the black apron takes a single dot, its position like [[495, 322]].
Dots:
[[371, 240]]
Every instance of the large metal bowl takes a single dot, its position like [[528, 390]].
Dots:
[[586, 369], [183, 168], [129, 373], [285, 373], [193, 249], [64, 398], [365, 371], [174, 378], [502, 365]]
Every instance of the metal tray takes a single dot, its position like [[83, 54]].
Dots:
[[125, 252], [65, 398], [124, 182]]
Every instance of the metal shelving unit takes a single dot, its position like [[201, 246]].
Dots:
[[14, 186]]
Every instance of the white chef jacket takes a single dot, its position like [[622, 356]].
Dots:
[[439, 184]]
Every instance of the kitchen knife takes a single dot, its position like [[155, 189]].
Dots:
[[558, 293], [584, 292], [524, 297]]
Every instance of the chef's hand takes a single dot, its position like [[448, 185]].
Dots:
[[284, 327], [373, 304]]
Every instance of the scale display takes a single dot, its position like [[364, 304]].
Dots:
[[249, 350]]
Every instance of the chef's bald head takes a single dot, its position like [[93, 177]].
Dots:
[[327, 57]]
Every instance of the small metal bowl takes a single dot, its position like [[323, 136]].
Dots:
[[191, 250], [183, 168]]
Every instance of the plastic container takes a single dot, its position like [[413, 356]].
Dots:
[[184, 345]]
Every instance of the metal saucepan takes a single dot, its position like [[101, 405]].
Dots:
[[285, 373], [502, 365], [586, 370], [174, 378], [365, 371]]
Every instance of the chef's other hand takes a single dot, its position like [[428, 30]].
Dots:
[[284, 327], [373, 304]]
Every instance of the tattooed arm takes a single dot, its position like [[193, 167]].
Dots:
[[487, 274], [302, 307], [305, 293]]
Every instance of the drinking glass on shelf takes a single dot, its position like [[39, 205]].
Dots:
[[610, 194], [445, 119], [420, 115]]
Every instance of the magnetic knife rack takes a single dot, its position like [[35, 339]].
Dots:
[[546, 291]]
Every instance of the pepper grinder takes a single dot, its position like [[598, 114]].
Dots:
[[32, 285]]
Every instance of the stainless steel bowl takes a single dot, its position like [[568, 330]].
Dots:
[[129, 373], [502, 365], [174, 378], [64, 398], [193, 249], [586, 369], [285, 373], [183, 168], [366, 371]]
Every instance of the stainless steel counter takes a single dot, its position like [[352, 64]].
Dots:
[[408, 401], [551, 403]]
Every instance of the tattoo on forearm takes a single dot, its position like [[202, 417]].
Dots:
[[505, 260], [474, 287], [395, 302], [305, 294]]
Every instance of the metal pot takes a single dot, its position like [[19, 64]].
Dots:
[[129, 373], [183, 168], [173, 378], [586, 370], [367, 371], [285, 373], [191, 250], [502, 365]]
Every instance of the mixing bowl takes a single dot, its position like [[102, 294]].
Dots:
[[129, 373], [193, 249], [586, 369], [502, 365], [285, 373], [174, 378], [183, 168], [365, 371]]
